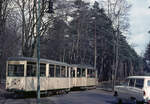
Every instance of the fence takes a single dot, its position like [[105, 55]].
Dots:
[[107, 85]]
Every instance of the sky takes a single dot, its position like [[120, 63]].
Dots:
[[139, 17]]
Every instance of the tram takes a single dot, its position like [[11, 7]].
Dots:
[[21, 75]]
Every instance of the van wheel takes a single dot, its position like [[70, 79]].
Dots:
[[119, 101], [139, 102], [133, 100], [115, 93]]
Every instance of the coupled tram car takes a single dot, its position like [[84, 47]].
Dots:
[[54, 76]]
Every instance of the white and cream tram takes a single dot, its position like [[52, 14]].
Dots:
[[21, 75], [83, 76]]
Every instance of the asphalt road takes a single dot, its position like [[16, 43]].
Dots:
[[95, 96]]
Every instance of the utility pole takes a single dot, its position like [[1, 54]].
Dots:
[[38, 18], [38, 49]]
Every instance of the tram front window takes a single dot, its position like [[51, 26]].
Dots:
[[16, 70]]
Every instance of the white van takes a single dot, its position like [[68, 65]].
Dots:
[[135, 88]]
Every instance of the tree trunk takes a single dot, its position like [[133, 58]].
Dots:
[[131, 66], [116, 53], [77, 45], [95, 48], [117, 60]]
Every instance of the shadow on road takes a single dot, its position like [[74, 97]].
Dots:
[[12, 99]]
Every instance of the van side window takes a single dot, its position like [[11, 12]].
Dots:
[[148, 83], [131, 83], [126, 82], [139, 83]]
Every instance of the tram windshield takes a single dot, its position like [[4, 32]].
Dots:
[[16, 70]]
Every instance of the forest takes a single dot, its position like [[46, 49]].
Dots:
[[72, 31]]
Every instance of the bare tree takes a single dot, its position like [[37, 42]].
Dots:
[[117, 12], [8, 35], [27, 11]]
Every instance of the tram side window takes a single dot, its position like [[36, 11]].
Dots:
[[67, 71], [15, 70], [83, 72], [31, 69], [79, 72], [42, 70], [51, 70], [93, 74], [89, 73], [57, 71], [63, 71], [72, 72]]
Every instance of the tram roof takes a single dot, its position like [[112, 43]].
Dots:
[[42, 60], [82, 66], [35, 59]]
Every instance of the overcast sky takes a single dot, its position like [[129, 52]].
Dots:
[[140, 24]]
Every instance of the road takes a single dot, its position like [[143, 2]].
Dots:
[[85, 97], [95, 96]]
